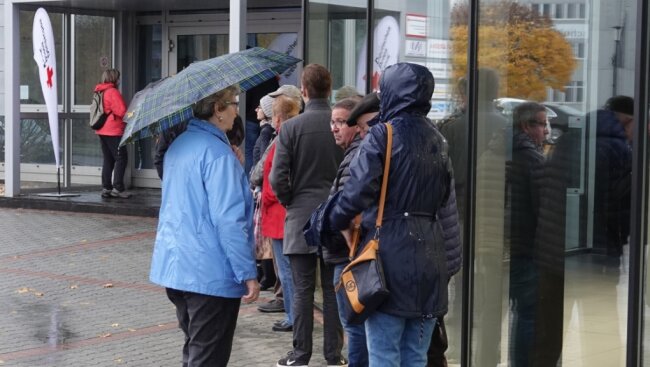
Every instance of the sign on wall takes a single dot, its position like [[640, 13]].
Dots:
[[416, 25]]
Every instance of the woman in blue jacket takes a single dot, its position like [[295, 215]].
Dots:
[[413, 252], [203, 253]]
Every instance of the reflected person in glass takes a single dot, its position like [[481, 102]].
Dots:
[[523, 176]]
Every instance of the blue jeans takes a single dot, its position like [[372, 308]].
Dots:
[[252, 132], [357, 349], [396, 341], [284, 272]]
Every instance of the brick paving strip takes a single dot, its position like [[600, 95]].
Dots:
[[78, 247]]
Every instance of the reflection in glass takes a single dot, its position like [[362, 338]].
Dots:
[[149, 70], [343, 30], [93, 53], [196, 47], [552, 184], [86, 150], [36, 141]]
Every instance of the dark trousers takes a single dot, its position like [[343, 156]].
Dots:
[[438, 346], [115, 159], [303, 270], [208, 323], [252, 132]]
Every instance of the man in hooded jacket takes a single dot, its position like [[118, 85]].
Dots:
[[413, 253]]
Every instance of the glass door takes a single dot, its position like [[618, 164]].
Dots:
[[185, 45], [190, 44]]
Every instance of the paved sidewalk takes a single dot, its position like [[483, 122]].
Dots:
[[74, 292]]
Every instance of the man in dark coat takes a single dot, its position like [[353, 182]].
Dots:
[[304, 166], [413, 251], [613, 177], [524, 174], [347, 137]]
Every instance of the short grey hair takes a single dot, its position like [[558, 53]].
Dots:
[[525, 113], [110, 76], [346, 103], [204, 108]]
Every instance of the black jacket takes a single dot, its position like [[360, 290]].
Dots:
[[524, 174]]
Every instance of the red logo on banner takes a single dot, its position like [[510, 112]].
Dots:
[[50, 72]]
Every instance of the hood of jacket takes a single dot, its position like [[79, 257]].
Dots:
[[103, 86], [607, 125], [405, 87]]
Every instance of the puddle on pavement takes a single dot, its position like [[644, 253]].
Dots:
[[48, 322]]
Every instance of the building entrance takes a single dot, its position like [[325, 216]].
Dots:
[[189, 43]]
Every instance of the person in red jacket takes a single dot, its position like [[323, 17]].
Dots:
[[273, 213], [115, 157]]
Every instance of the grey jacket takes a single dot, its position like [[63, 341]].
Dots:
[[304, 166]]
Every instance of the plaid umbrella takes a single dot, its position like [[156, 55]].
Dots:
[[169, 102]]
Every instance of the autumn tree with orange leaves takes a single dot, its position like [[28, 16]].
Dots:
[[528, 53]]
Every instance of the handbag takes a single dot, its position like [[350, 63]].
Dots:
[[362, 286]]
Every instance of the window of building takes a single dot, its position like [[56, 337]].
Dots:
[[571, 11], [559, 11], [578, 49], [535, 7]]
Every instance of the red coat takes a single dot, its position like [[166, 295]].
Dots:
[[115, 107], [273, 213]]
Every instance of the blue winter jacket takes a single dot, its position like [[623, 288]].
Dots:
[[204, 242], [412, 249]]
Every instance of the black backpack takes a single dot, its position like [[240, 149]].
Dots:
[[97, 115]]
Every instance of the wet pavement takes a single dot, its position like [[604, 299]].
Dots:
[[75, 292], [87, 199]]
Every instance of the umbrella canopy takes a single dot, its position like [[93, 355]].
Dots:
[[169, 102]]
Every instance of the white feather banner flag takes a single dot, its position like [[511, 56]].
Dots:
[[46, 60]]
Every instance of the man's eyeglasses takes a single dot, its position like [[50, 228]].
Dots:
[[337, 123], [538, 123]]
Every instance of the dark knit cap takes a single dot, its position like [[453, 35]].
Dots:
[[369, 103], [622, 104]]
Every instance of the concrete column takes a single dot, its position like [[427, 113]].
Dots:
[[12, 100], [237, 36]]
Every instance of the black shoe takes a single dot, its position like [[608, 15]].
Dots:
[[271, 306], [290, 360], [106, 193], [341, 362], [282, 326]]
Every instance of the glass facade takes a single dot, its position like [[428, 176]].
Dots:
[[546, 206]]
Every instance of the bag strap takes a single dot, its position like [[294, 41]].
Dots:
[[384, 182], [356, 233]]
